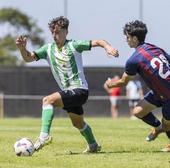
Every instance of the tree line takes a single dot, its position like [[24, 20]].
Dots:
[[13, 22]]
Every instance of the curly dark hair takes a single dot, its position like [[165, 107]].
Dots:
[[61, 21], [136, 28]]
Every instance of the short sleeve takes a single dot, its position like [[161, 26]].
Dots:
[[82, 45], [131, 67], [167, 56], [41, 53]]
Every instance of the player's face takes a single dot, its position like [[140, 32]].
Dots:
[[59, 34], [132, 41]]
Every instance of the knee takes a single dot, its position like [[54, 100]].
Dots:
[[47, 100], [137, 111], [78, 125], [75, 125]]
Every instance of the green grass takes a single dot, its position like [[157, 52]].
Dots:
[[123, 145]]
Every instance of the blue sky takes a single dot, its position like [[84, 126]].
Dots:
[[104, 19]]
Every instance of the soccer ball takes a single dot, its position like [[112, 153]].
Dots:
[[24, 147]]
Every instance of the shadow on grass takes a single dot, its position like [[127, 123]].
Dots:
[[106, 152]]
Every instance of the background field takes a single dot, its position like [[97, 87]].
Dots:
[[123, 145]]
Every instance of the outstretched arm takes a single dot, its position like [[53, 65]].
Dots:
[[104, 44], [119, 83], [21, 43]]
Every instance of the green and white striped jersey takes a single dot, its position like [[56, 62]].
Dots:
[[66, 63]]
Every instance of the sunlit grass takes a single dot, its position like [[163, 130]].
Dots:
[[123, 145]]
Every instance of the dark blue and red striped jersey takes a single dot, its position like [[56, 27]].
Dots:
[[153, 65]]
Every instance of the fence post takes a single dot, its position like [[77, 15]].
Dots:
[[1, 105]]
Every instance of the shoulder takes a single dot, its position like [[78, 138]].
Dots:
[[135, 57], [80, 45], [72, 42], [79, 42]]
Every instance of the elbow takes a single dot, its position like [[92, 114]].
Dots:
[[126, 82], [27, 59]]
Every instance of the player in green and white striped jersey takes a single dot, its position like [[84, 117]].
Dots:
[[65, 59]]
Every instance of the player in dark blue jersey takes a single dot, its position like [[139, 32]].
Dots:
[[153, 65]]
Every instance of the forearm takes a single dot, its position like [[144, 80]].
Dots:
[[99, 43], [119, 83], [110, 83], [104, 44], [26, 55]]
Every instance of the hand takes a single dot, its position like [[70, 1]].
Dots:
[[21, 42], [108, 83], [111, 51]]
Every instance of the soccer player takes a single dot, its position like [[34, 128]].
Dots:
[[114, 93], [65, 59], [134, 93], [152, 64]]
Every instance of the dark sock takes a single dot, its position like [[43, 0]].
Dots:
[[151, 120], [168, 134]]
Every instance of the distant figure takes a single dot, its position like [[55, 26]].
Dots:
[[134, 93], [113, 94]]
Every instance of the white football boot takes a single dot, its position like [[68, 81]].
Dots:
[[40, 143]]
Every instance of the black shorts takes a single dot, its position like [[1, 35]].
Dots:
[[133, 102], [74, 99]]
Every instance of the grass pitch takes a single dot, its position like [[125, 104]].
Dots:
[[123, 145]]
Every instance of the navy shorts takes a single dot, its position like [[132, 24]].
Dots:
[[74, 99], [165, 104]]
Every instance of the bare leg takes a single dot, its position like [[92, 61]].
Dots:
[[114, 111]]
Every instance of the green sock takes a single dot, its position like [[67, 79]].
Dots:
[[47, 117], [88, 135]]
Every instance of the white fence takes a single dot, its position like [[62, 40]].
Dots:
[[23, 102]]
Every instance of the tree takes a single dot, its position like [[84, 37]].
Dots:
[[14, 22]]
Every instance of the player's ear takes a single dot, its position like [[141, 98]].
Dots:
[[135, 40]]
